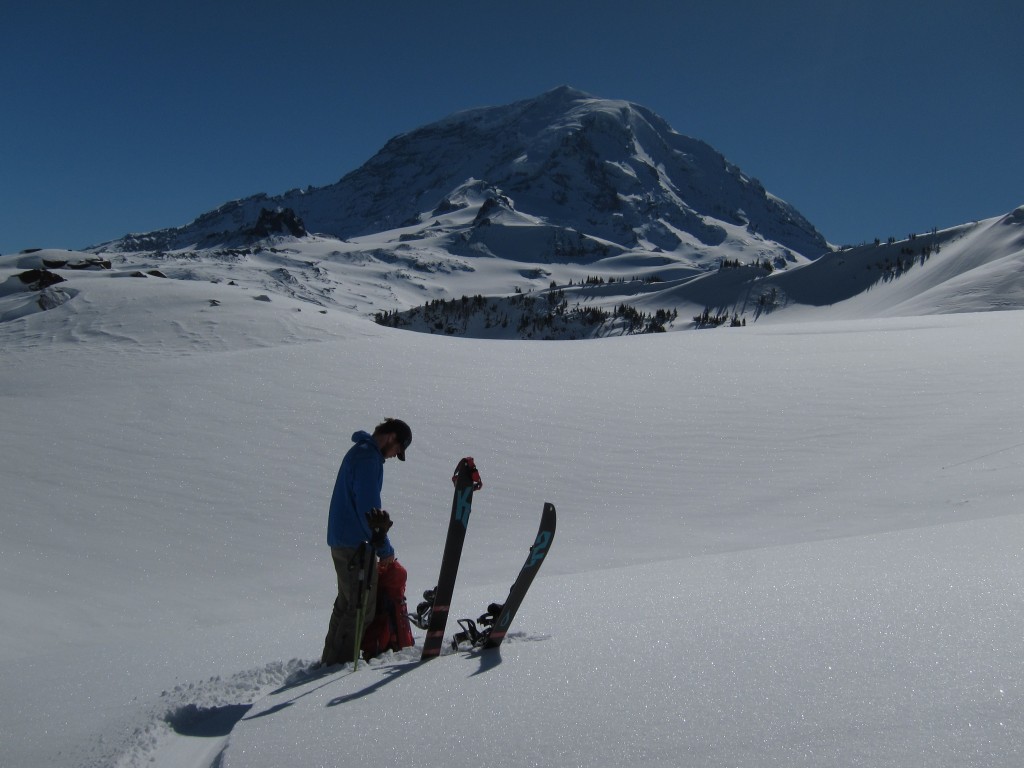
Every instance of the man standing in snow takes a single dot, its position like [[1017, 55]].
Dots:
[[356, 517]]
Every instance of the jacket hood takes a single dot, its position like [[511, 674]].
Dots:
[[361, 436]]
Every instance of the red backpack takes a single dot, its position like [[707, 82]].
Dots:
[[390, 628]]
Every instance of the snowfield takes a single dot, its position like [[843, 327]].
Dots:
[[792, 544]]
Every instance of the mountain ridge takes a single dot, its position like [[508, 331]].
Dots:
[[564, 216], [609, 169]]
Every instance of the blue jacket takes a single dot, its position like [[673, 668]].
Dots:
[[356, 492]]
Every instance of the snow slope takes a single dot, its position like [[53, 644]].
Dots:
[[795, 544], [972, 268]]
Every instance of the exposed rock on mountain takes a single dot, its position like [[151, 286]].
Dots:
[[599, 169]]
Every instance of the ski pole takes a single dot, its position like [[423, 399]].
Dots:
[[365, 559]]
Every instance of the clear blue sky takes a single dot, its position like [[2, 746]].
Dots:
[[874, 118]]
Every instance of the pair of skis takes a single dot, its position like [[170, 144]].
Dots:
[[435, 611]]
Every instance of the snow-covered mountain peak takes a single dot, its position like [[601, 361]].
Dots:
[[600, 168], [597, 205]]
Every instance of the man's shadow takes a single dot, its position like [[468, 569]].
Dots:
[[489, 658], [299, 682]]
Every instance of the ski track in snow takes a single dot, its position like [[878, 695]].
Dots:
[[190, 725], [191, 721]]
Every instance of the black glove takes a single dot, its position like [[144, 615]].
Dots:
[[380, 523]]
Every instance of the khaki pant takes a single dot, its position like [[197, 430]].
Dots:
[[341, 644]]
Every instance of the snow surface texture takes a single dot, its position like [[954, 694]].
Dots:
[[794, 544]]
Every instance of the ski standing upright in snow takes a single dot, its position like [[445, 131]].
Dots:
[[467, 480], [499, 615]]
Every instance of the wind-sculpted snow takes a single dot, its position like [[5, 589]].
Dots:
[[894, 649], [792, 543]]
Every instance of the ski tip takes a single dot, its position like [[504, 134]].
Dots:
[[549, 513], [467, 465]]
